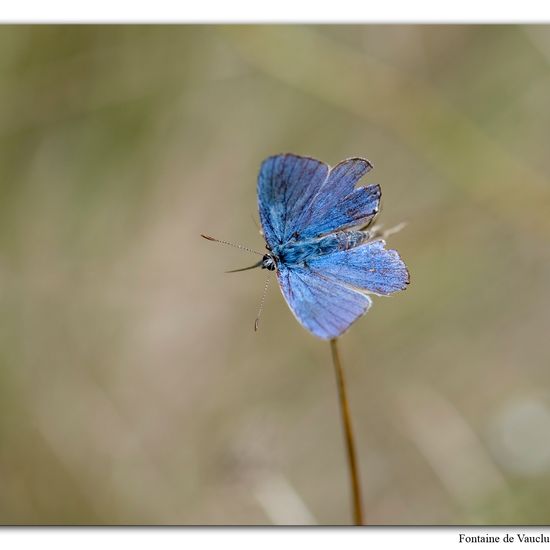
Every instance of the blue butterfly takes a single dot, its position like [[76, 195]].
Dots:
[[315, 224]]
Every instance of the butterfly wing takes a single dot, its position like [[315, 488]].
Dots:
[[286, 185], [368, 267], [328, 295], [356, 209], [324, 308], [303, 197], [338, 204]]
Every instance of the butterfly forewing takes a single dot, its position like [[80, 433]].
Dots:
[[324, 308], [286, 185], [300, 197]]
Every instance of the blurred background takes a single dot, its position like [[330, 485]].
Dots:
[[133, 388]]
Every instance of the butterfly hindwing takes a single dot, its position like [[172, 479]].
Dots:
[[369, 267], [334, 200], [357, 208]]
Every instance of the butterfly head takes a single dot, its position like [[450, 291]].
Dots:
[[268, 262]]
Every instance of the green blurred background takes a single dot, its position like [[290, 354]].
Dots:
[[133, 388]]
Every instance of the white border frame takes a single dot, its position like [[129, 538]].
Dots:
[[281, 11]]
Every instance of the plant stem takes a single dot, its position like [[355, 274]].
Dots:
[[348, 432]]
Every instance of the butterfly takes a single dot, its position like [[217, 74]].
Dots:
[[315, 223]]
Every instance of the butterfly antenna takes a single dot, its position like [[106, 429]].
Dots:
[[231, 244], [246, 268], [257, 321]]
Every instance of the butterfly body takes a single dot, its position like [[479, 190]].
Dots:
[[297, 252], [310, 215]]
